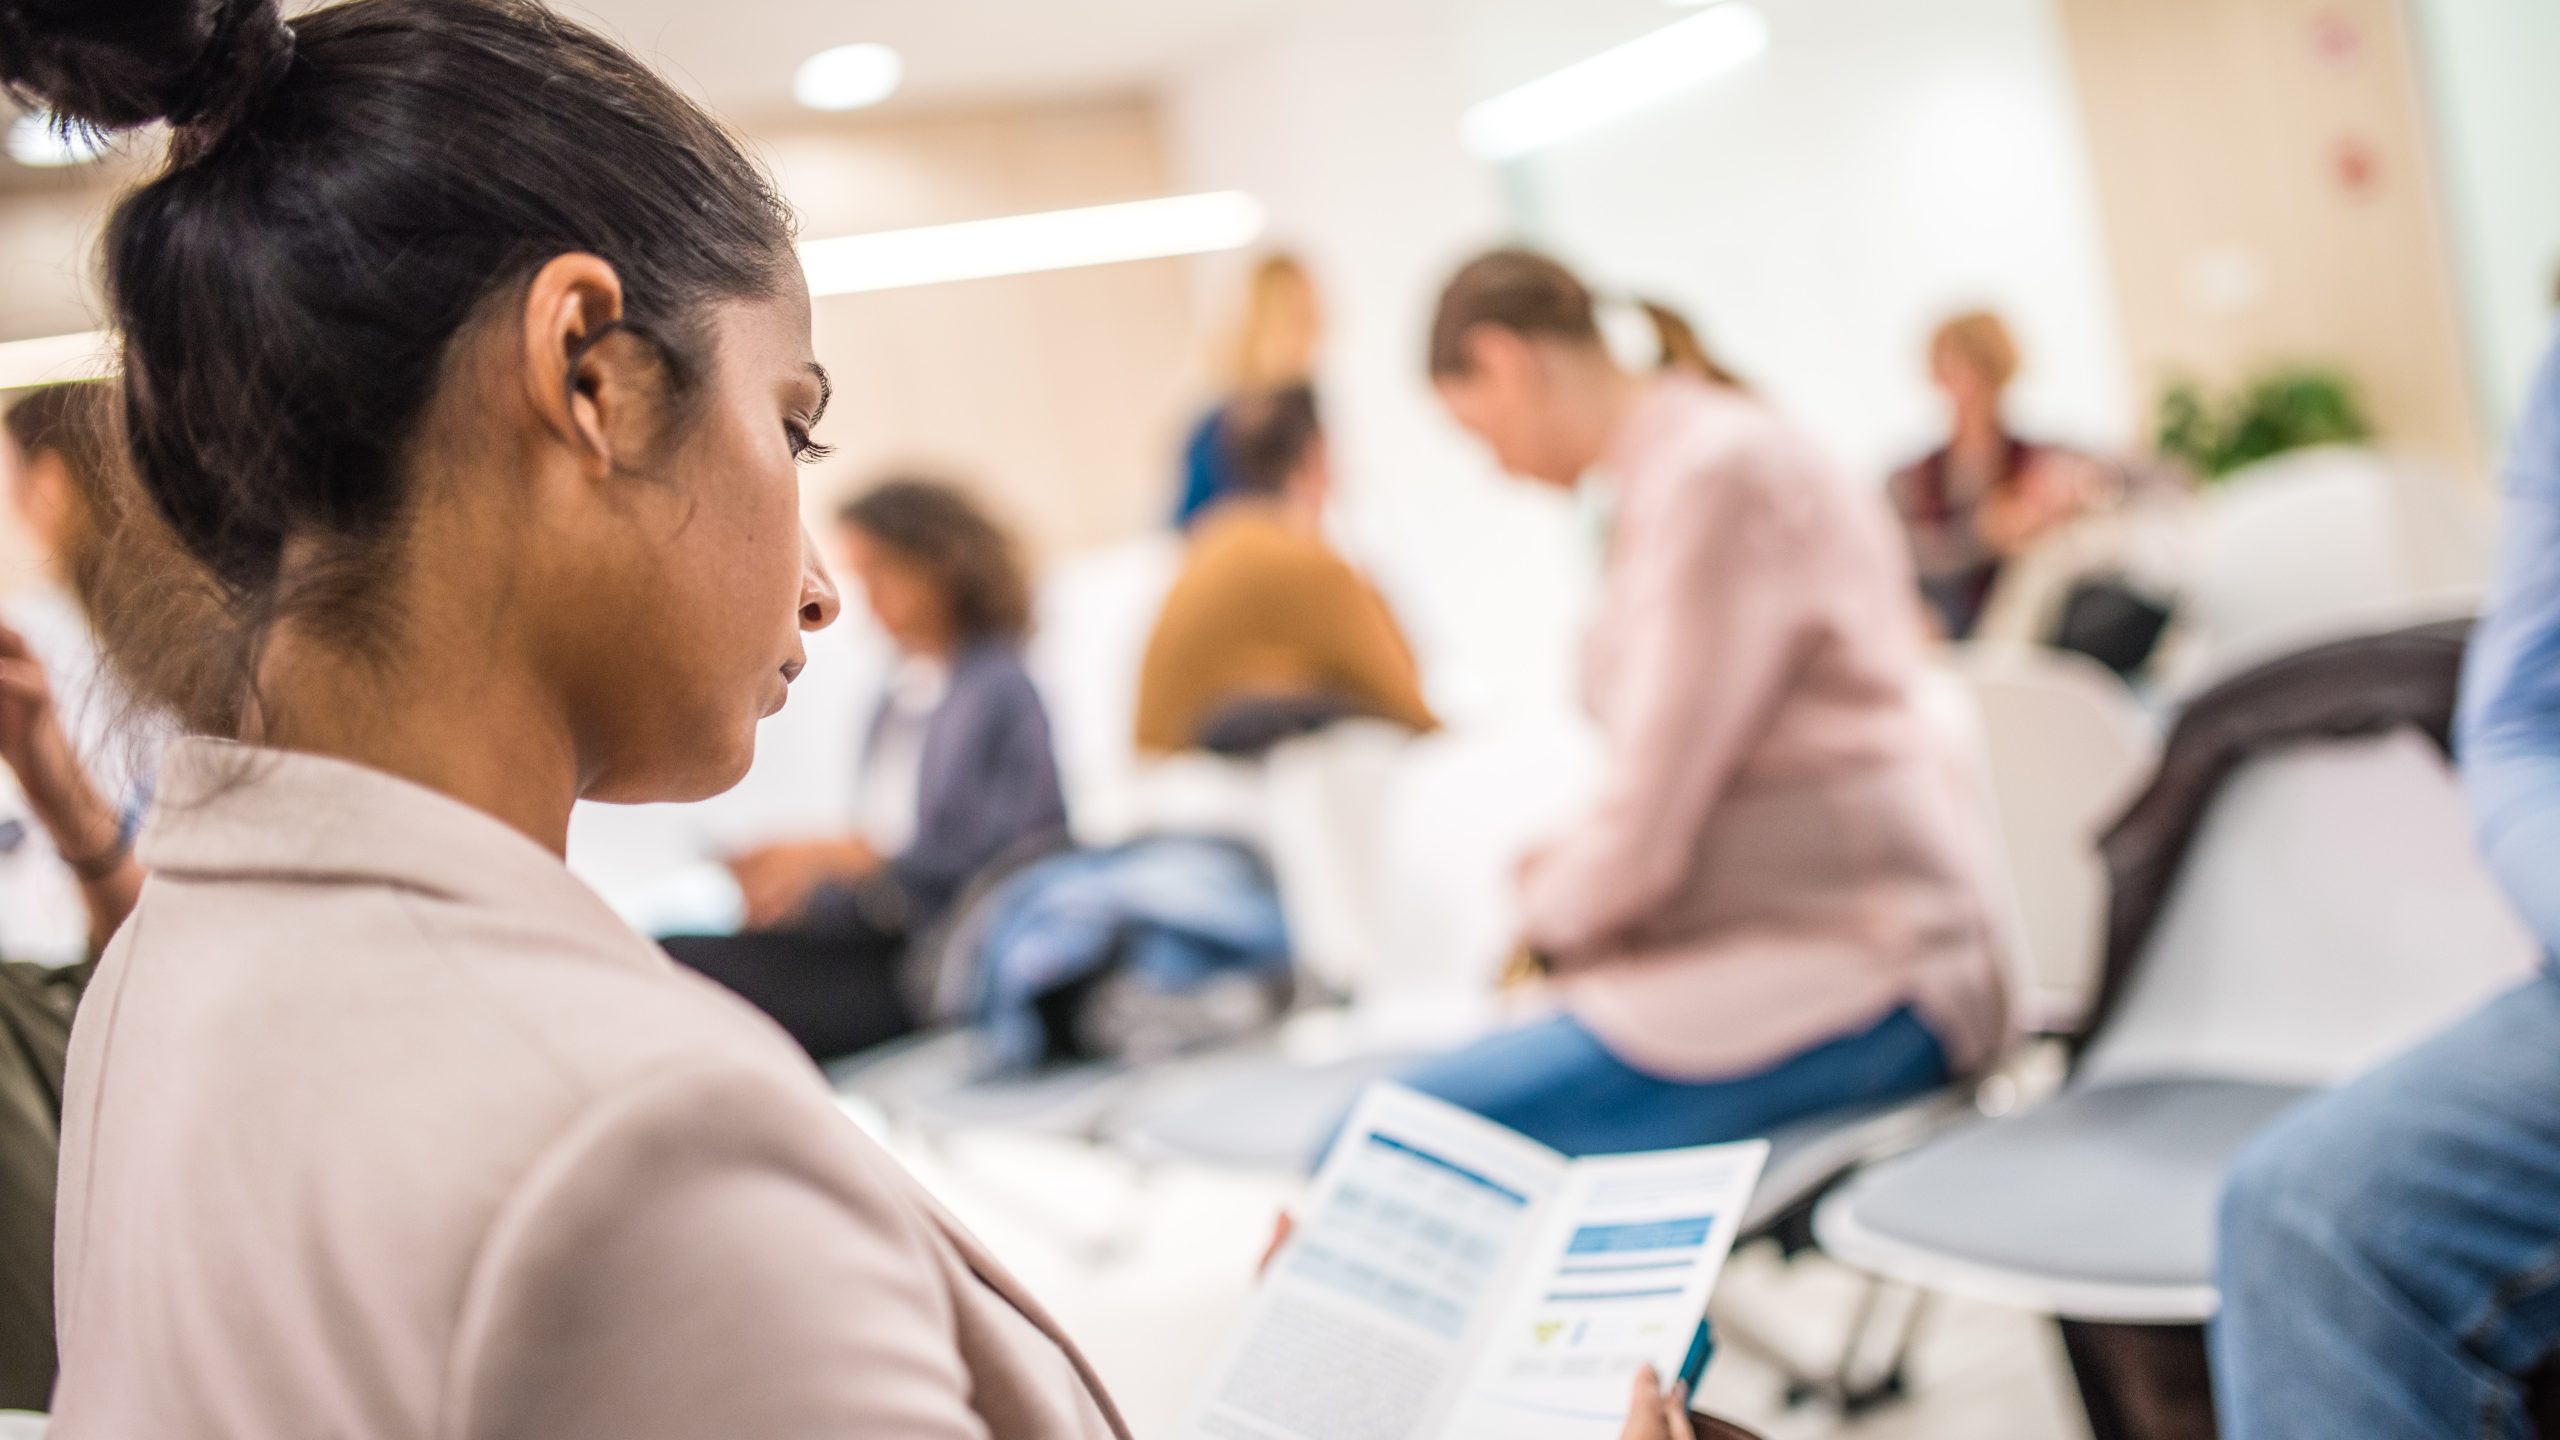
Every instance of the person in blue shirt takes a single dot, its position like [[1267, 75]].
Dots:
[[2390, 1252], [1273, 347]]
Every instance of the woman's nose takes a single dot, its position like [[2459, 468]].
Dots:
[[819, 602]]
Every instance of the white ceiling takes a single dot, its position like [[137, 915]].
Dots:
[[739, 54]]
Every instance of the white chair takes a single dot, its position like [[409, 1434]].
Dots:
[[1097, 610], [2330, 912], [1462, 809], [21, 1425], [2318, 544], [2066, 746], [1324, 796]]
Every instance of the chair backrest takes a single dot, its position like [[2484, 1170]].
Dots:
[[2296, 549], [2067, 746], [1097, 611], [1323, 798], [2331, 911], [1465, 806]]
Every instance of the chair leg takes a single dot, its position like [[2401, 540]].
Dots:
[[2141, 1382], [1870, 1370]]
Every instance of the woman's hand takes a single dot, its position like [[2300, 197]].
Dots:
[[31, 739], [1281, 1230], [777, 881], [86, 828], [2055, 489], [1654, 1413]]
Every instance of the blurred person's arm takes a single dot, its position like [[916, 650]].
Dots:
[[776, 882], [1005, 791], [89, 831], [2510, 723], [2052, 490], [1714, 618]]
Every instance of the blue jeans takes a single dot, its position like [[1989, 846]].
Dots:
[[2390, 1252], [1554, 1082]]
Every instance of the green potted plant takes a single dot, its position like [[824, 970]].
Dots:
[[2291, 408]]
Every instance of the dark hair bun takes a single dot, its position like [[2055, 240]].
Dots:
[[115, 64]]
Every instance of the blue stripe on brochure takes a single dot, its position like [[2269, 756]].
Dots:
[[1389, 1142], [1686, 1233]]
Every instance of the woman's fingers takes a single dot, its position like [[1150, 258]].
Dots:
[[1644, 1409], [1654, 1413], [1280, 1231], [1675, 1413]]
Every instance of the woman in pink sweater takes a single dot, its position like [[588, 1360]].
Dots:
[[1775, 907]]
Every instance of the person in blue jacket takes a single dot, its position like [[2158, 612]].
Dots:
[[958, 773], [2390, 1252]]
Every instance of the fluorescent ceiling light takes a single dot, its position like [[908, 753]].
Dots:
[[35, 140], [1590, 93], [1023, 244], [887, 260], [848, 77]]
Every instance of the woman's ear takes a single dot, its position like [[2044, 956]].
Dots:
[[582, 385], [1499, 353]]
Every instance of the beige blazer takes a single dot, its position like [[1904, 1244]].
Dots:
[[379, 1124], [1780, 854]]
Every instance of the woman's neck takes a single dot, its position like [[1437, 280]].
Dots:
[[1979, 433], [478, 731]]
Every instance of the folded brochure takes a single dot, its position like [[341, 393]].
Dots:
[[1450, 1277]]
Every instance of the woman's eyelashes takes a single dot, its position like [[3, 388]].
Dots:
[[805, 450]]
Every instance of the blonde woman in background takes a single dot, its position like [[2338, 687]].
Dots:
[[1273, 347], [1976, 502]]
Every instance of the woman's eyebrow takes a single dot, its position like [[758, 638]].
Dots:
[[826, 391]]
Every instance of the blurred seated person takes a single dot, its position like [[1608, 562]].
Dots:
[[957, 773], [2386, 1252], [1972, 505], [61, 457], [62, 451], [1267, 632], [1273, 346], [1774, 907]]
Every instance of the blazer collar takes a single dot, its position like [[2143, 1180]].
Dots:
[[232, 811]]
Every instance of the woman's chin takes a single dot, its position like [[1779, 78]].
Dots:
[[686, 774]]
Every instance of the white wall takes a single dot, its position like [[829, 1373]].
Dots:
[[1343, 118], [1881, 166], [2492, 65], [1883, 163]]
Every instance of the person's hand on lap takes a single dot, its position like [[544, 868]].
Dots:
[[777, 881]]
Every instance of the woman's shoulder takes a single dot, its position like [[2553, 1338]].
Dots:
[[993, 674]]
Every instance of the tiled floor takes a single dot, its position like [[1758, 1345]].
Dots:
[[1150, 1270]]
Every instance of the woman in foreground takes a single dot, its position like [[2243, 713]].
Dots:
[[473, 361]]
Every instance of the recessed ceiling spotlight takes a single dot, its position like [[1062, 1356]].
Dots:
[[35, 140], [848, 77]]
